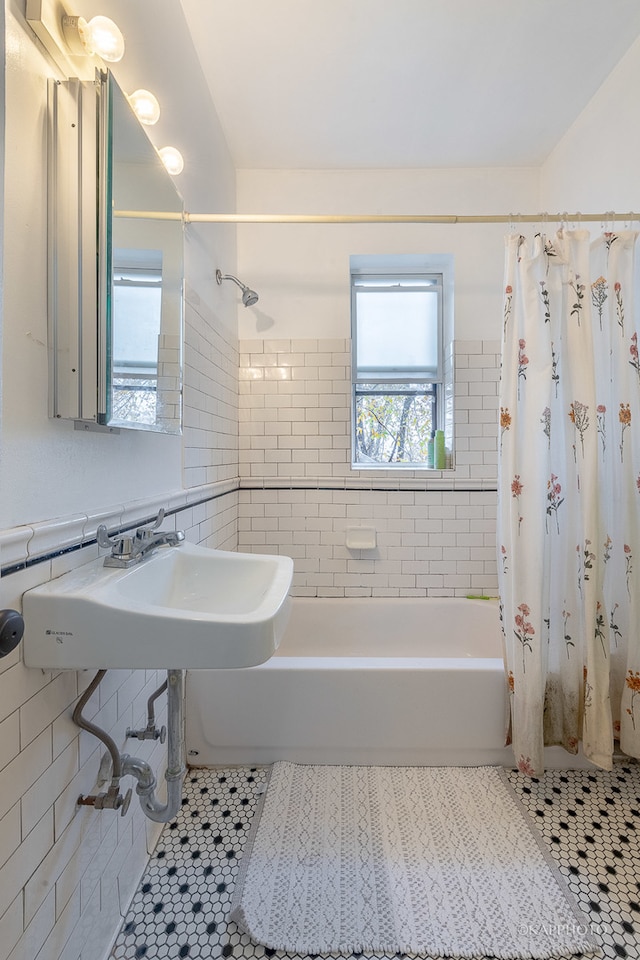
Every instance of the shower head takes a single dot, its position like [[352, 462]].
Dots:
[[249, 297]]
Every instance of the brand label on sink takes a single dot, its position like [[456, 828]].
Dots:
[[58, 635]]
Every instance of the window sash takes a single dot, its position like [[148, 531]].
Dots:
[[387, 449], [413, 389], [392, 285]]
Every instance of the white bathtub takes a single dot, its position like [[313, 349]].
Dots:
[[373, 681]]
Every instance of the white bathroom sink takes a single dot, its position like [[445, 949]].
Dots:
[[184, 606]]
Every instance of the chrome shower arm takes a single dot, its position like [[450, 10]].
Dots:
[[229, 276], [249, 296]]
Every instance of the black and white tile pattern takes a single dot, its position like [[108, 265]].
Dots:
[[591, 822]]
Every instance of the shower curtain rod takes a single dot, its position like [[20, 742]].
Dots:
[[511, 218]]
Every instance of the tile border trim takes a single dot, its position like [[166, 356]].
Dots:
[[187, 499], [28, 562]]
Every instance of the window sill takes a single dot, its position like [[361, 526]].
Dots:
[[401, 467]]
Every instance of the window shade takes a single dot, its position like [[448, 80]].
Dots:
[[397, 333]]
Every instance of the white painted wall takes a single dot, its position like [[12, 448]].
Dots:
[[302, 272], [594, 167], [48, 469]]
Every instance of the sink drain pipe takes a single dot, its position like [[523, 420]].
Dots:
[[140, 769], [125, 765]]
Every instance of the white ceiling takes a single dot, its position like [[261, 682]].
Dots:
[[404, 83]]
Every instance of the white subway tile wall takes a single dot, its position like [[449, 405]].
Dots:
[[295, 413], [435, 529], [210, 398]]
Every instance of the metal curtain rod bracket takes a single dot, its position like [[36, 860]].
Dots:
[[371, 218]]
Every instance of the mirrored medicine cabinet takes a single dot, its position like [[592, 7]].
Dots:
[[115, 279]]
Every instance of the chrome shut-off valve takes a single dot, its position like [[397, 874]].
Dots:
[[111, 800], [150, 732]]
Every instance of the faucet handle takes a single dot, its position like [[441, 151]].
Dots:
[[144, 532], [121, 545], [103, 538]]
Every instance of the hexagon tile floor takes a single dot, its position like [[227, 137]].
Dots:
[[591, 822]]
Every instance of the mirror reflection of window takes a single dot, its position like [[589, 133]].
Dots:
[[136, 322], [143, 341]]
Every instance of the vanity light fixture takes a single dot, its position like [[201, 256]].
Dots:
[[145, 106], [65, 35], [172, 160], [99, 36]]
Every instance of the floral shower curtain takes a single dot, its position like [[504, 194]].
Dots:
[[569, 494]]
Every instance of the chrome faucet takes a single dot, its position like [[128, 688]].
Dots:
[[126, 550]]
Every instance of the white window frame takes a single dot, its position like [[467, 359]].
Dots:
[[427, 272]]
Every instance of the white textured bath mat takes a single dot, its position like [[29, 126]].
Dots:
[[441, 861]]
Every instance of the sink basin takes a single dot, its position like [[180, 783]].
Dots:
[[183, 607]]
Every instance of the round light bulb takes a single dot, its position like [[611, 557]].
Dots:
[[172, 160], [145, 106], [102, 37]]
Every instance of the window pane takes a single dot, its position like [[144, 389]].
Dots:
[[134, 400], [397, 332], [393, 427], [136, 324]]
